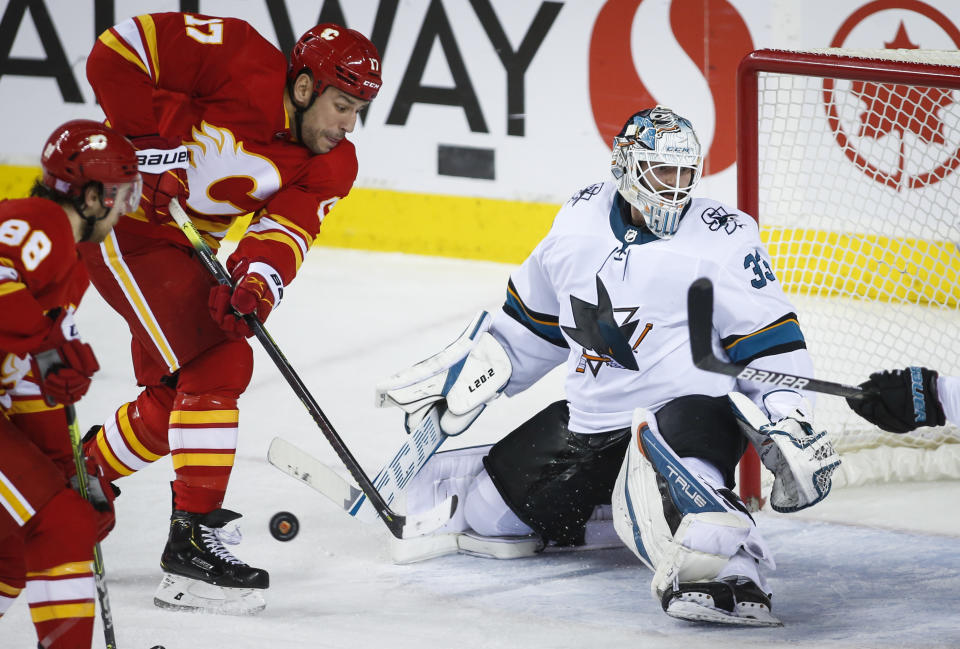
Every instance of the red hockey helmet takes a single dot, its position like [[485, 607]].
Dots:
[[82, 151], [339, 57]]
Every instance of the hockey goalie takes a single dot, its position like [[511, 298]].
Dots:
[[642, 433]]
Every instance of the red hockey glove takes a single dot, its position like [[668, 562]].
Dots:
[[163, 165], [67, 378], [100, 492], [257, 290]]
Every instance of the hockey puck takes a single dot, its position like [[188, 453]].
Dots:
[[284, 526]]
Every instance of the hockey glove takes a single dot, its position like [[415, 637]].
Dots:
[[163, 165], [899, 401], [62, 364], [802, 461], [460, 381], [257, 290], [100, 492], [69, 374]]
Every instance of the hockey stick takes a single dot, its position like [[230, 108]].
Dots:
[[700, 323], [395, 522], [45, 362], [106, 613], [417, 448]]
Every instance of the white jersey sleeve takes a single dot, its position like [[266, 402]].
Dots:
[[948, 388], [748, 293], [528, 325]]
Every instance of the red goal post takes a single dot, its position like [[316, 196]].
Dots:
[[848, 159]]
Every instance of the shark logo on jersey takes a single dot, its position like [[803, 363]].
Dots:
[[718, 218], [605, 341], [586, 193]]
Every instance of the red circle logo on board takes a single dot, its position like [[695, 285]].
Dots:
[[910, 114], [711, 32]]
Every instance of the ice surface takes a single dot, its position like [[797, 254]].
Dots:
[[872, 567]]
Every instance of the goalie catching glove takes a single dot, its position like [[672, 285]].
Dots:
[[460, 381], [802, 462]]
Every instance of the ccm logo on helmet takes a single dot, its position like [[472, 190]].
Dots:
[[329, 34]]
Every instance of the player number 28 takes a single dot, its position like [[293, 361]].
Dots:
[[761, 270], [33, 248]]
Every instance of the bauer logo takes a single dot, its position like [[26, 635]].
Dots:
[[763, 376], [897, 134]]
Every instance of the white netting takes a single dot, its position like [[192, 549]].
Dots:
[[859, 204]]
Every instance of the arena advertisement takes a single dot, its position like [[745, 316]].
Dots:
[[492, 112]]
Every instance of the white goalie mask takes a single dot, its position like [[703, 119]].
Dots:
[[656, 163]]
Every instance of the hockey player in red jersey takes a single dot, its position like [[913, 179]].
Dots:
[[47, 531], [227, 126]]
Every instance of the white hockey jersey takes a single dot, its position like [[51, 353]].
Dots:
[[610, 299]]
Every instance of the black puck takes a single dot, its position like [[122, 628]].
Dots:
[[284, 526]]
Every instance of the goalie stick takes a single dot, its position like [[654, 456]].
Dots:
[[417, 448], [700, 323], [395, 522]]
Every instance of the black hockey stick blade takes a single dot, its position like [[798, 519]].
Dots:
[[700, 323]]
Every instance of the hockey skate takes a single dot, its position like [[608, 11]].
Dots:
[[201, 574], [732, 600]]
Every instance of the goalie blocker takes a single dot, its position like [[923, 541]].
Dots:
[[459, 381]]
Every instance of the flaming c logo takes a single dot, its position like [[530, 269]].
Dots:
[[894, 110], [714, 36]]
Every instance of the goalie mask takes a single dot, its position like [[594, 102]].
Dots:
[[656, 163]]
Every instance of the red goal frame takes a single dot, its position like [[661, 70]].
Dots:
[[826, 64]]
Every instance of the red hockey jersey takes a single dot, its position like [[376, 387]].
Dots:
[[39, 270], [217, 85]]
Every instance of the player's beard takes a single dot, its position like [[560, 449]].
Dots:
[[318, 140]]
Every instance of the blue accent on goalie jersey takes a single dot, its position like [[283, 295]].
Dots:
[[779, 337], [544, 325], [623, 229]]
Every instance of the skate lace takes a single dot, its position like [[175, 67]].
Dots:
[[214, 538]]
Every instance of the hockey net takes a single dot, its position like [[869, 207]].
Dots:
[[850, 161]]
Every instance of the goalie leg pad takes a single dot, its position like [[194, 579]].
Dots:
[[698, 425], [446, 474], [672, 518], [483, 526]]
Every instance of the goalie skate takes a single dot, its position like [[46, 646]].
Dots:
[[179, 593], [727, 601]]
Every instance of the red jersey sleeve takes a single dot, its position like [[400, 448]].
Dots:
[[281, 233], [140, 67], [39, 269]]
